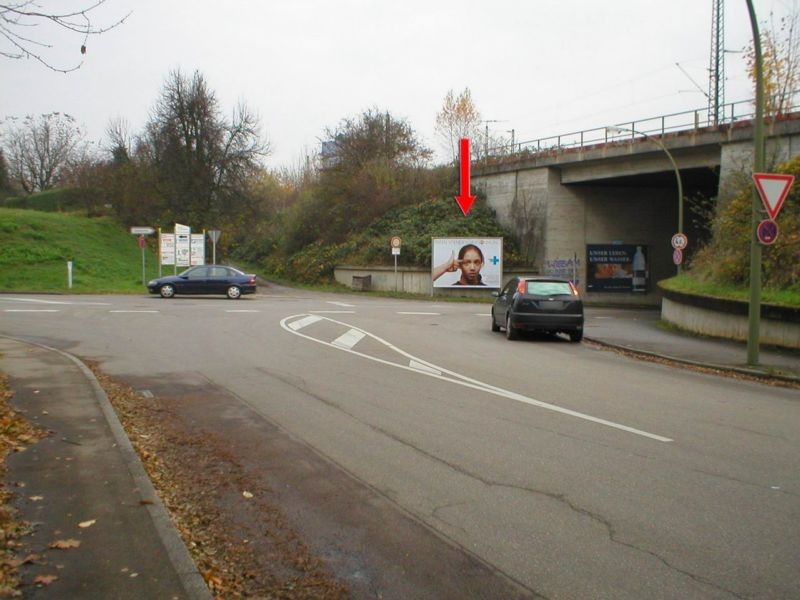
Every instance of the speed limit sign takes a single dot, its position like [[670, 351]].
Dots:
[[396, 241], [680, 241]]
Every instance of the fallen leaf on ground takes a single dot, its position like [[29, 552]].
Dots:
[[86, 524], [64, 544], [45, 579], [35, 498], [247, 495]]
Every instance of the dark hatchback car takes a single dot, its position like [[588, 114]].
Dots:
[[546, 304], [205, 279]]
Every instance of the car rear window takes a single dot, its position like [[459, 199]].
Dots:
[[548, 288]]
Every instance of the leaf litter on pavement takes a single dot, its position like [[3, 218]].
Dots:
[[15, 434], [241, 542]]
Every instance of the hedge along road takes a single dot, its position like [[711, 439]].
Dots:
[[564, 506]]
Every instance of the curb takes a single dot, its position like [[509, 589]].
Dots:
[[192, 581], [693, 363]]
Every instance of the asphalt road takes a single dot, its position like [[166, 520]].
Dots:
[[573, 471]]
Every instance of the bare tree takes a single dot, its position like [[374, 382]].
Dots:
[[459, 118], [120, 140], [202, 159], [780, 47], [20, 24], [40, 149]]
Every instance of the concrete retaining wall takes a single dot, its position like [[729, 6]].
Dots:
[[728, 319], [412, 280]]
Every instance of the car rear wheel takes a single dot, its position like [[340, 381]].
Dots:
[[167, 291], [234, 292], [495, 326], [511, 333], [575, 336]]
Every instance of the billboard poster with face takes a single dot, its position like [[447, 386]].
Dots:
[[467, 262]]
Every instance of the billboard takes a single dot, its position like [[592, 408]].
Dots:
[[616, 268], [467, 262], [167, 242], [198, 249]]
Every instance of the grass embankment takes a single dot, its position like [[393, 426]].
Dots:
[[690, 285], [35, 247]]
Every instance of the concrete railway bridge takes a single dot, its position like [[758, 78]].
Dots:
[[583, 202]]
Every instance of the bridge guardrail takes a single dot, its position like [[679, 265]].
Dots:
[[730, 114]]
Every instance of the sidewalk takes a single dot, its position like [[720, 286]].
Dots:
[[87, 471], [637, 330]]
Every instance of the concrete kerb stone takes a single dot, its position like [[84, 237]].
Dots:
[[190, 577], [693, 363]]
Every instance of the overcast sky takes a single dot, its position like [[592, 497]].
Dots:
[[542, 67]]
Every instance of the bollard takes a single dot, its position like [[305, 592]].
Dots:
[[69, 274]]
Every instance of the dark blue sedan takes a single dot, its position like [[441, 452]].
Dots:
[[205, 279]]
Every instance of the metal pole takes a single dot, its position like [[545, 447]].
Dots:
[[213, 251], [143, 275], [395, 272], [754, 310]]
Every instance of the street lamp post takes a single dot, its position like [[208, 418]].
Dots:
[[754, 310], [660, 144]]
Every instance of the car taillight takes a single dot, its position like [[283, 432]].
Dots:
[[574, 289], [522, 286], [252, 280]]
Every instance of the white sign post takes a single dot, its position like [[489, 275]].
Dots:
[[395, 243], [214, 235]]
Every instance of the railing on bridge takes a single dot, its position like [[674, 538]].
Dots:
[[655, 126]]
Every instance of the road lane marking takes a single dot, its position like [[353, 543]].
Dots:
[[424, 367], [483, 314], [345, 304], [332, 312], [418, 313], [243, 310], [304, 322], [36, 310], [133, 311], [37, 301], [349, 339]]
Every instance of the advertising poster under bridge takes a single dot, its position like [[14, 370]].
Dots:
[[616, 268]]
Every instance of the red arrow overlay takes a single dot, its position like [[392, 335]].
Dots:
[[464, 199]]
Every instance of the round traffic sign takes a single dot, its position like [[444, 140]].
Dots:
[[141, 242], [677, 256], [396, 241], [767, 232], [680, 241]]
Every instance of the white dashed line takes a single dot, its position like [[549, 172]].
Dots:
[[242, 311], [333, 312], [341, 304], [37, 301], [483, 314], [300, 323], [419, 313], [36, 310], [424, 368], [349, 339], [133, 311]]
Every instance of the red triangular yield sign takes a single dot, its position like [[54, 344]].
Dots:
[[773, 189]]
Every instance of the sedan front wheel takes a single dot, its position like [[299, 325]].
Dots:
[[167, 291]]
